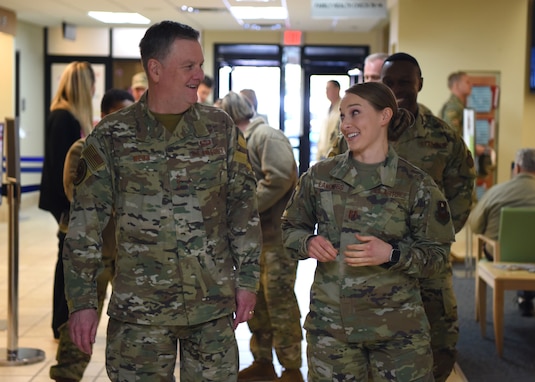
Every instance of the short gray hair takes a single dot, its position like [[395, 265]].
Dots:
[[376, 56], [525, 158], [237, 106]]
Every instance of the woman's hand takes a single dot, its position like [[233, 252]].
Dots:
[[321, 249], [370, 251]]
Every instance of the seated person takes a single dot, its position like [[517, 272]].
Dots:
[[517, 192]]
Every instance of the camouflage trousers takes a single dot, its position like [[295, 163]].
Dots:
[[276, 322], [330, 359], [440, 306], [148, 353], [71, 362]]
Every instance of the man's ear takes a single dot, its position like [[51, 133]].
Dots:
[[421, 84], [154, 70]]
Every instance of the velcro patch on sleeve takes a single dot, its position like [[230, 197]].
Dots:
[[442, 213], [81, 172], [93, 158]]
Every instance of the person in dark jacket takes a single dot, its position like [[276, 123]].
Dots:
[[70, 118]]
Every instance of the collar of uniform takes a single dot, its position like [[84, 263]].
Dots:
[[346, 172], [148, 127]]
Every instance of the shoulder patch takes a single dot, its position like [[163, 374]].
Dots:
[[94, 160], [442, 213], [81, 172]]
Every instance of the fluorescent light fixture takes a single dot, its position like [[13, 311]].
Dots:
[[119, 17], [255, 13]]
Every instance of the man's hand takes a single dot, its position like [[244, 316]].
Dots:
[[245, 302], [83, 329], [321, 249]]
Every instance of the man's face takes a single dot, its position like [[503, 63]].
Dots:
[[203, 92], [179, 75], [372, 71], [405, 81], [465, 86], [138, 91], [332, 92]]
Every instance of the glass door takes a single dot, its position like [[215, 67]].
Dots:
[[321, 64]]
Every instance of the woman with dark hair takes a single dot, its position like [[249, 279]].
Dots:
[[375, 224]]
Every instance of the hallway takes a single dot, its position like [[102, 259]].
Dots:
[[37, 253]]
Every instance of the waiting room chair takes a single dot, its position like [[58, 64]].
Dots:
[[516, 240]]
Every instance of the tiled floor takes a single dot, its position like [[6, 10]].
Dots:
[[37, 253]]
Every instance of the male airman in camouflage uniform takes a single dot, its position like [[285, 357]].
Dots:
[[369, 319], [188, 232], [430, 144], [452, 112]]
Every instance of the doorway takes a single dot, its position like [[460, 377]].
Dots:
[[290, 85]]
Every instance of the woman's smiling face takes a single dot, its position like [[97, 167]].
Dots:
[[364, 128]]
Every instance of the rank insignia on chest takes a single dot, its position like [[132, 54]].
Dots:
[[442, 213], [353, 215]]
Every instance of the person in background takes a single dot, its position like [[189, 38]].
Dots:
[[330, 130], [517, 192], [71, 117], [430, 144], [204, 91], [452, 111], [372, 66], [276, 322], [71, 361], [174, 176], [250, 96], [372, 72], [376, 224], [139, 85]]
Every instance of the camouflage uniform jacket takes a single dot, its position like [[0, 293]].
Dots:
[[272, 159], [434, 147], [452, 113], [400, 204], [188, 231]]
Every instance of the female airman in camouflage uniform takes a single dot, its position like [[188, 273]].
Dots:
[[381, 224]]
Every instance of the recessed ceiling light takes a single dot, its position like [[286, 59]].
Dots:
[[119, 17], [255, 13]]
